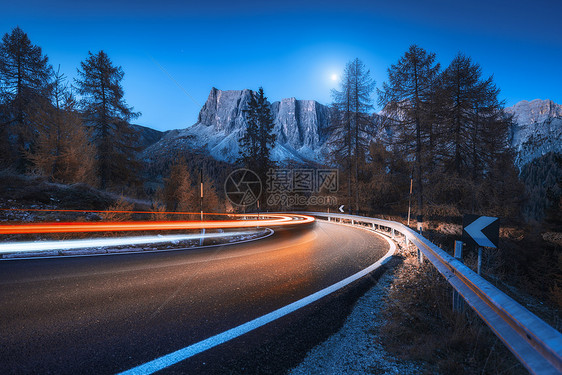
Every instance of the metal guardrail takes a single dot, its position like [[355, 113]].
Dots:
[[537, 345]]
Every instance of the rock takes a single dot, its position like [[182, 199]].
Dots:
[[537, 129], [300, 126]]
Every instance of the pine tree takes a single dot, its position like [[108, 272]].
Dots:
[[105, 108], [266, 137], [408, 100], [249, 142], [351, 121], [24, 77], [258, 140]]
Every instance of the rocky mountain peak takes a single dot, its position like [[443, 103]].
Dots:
[[224, 109], [300, 126], [537, 129], [535, 111]]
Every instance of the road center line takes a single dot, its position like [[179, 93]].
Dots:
[[201, 346]]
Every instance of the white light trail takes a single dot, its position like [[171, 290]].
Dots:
[[13, 247]]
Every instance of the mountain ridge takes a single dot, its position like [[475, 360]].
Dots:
[[302, 127]]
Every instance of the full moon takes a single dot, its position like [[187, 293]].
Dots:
[[334, 77]]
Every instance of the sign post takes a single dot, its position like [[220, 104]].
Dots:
[[480, 231], [201, 205]]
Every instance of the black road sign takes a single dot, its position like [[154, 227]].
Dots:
[[481, 230]]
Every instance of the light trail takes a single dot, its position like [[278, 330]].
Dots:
[[12, 247], [126, 226], [121, 212]]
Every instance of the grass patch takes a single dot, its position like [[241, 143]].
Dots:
[[421, 326]]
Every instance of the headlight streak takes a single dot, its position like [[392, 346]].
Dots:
[[13, 247]]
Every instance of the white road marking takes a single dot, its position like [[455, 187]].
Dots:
[[201, 346]]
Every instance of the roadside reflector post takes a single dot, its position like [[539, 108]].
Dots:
[[458, 302], [393, 233]]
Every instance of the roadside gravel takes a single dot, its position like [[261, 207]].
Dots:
[[356, 347]]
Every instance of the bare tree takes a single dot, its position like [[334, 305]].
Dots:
[[407, 99]]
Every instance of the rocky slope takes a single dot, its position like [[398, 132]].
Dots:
[[300, 125], [537, 129]]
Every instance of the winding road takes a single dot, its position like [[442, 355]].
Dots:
[[107, 314]]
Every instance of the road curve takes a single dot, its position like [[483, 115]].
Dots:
[[107, 314]]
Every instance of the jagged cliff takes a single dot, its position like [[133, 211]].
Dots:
[[300, 126], [537, 129]]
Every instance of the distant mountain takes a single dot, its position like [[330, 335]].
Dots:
[[300, 125], [302, 130], [146, 136], [537, 129]]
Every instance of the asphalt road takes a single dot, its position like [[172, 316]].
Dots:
[[106, 314]]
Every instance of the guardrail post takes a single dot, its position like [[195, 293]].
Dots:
[[420, 256], [479, 260], [458, 302], [458, 250]]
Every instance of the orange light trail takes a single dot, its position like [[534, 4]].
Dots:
[[83, 227]]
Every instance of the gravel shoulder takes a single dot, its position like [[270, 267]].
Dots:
[[356, 347]]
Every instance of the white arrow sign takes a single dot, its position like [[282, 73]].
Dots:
[[475, 230], [341, 208]]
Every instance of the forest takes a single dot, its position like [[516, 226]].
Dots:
[[441, 130]]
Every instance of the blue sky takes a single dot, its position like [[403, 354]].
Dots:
[[291, 48]]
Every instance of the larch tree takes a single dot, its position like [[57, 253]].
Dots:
[[476, 128], [407, 99], [62, 150], [180, 193], [211, 200], [24, 77], [351, 122], [104, 106]]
